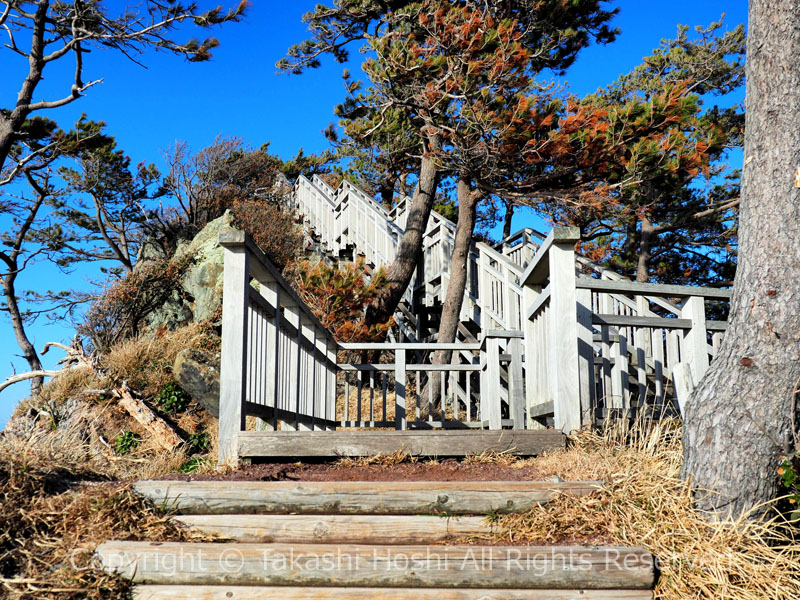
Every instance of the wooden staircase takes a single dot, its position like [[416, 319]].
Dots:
[[360, 540]]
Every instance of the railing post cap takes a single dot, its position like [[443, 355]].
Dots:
[[232, 237], [563, 235]]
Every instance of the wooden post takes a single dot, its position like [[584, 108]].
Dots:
[[563, 342], [233, 374], [516, 393], [399, 389], [695, 348], [490, 386]]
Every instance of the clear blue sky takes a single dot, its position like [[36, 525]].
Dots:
[[239, 93]]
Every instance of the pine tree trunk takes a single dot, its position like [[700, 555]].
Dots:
[[451, 309], [645, 249], [739, 420], [399, 273], [507, 219], [28, 351]]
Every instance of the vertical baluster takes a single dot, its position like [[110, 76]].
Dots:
[[372, 398], [384, 381], [400, 389]]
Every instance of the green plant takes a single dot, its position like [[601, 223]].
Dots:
[[125, 442], [173, 398], [790, 479], [193, 464], [199, 442]]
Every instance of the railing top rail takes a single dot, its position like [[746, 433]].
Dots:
[[387, 346], [520, 235], [233, 238], [539, 267], [657, 290]]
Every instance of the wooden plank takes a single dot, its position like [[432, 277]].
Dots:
[[694, 349], [635, 321], [490, 385], [563, 339], [399, 389], [541, 410], [356, 497], [379, 566], [457, 346], [657, 290], [585, 355], [234, 347], [229, 592], [340, 529], [516, 385], [286, 444]]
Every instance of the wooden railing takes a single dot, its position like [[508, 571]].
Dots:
[[412, 392], [283, 368], [349, 218], [278, 361], [598, 346]]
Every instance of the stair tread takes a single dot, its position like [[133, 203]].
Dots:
[[356, 497], [564, 567], [227, 592], [375, 529]]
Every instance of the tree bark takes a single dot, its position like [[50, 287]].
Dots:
[[506, 219], [740, 419], [646, 237], [28, 351], [400, 271], [454, 298]]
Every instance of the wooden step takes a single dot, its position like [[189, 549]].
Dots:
[[356, 529], [180, 592], [329, 565], [356, 497], [438, 443]]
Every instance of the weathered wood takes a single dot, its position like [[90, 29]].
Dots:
[[657, 290], [695, 345], [563, 340], [379, 566], [340, 529], [159, 430], [490, 385], [356, 497], [234, 347], [285, 444], [228, 592], [516, 384]]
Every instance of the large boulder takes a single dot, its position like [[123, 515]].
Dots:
[[201, 290], [198, 373]]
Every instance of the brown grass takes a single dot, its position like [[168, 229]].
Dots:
[[54, 510], [387, 460], [146, 362], [644, 503]]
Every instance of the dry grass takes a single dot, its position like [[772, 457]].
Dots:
[[146, 362], [54, 510], [386, 460], [644, 503]]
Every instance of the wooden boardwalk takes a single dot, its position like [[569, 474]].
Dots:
[[359, 540]]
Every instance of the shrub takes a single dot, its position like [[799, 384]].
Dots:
[[119, 312], [273, 228], [338, 296], [199, 442], [173, 398], [125, 442]]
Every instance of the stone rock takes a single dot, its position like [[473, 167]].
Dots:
[[201, 293], [198, 373]]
